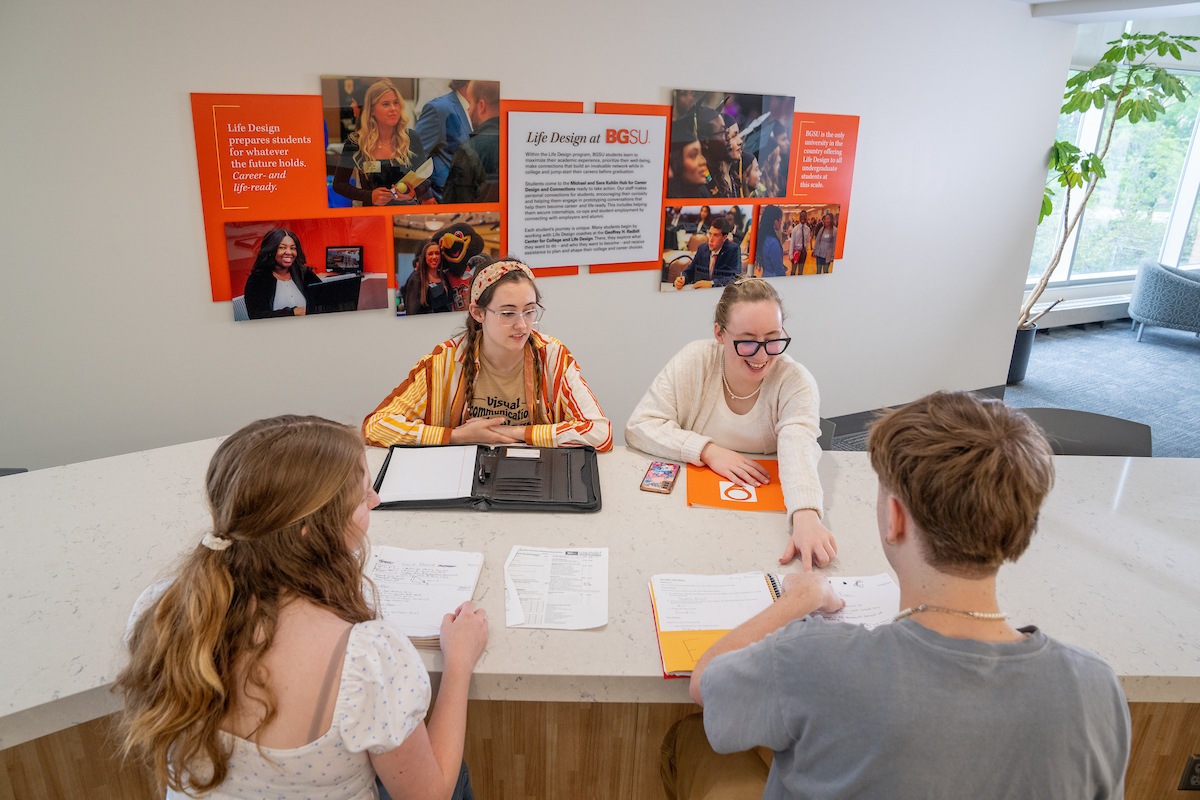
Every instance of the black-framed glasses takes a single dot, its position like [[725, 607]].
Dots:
[[532, 316], [748, 347]]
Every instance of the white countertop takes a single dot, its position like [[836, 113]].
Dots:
[[1114, 568]]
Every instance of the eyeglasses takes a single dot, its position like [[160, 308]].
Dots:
[[531, 316], [748, 347]]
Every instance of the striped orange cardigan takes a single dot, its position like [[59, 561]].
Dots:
[[431, 401]]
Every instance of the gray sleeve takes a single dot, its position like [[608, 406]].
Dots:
[[742, 700]]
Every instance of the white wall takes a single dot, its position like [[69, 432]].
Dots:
[[111, 343]]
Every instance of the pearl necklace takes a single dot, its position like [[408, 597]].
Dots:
[[731, 394], [987, 615]]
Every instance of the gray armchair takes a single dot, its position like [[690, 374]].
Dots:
[[1166, 297]]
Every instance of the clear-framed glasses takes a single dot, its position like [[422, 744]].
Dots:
[[532, 316], [748, 347]]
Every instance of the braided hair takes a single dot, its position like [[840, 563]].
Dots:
[[473, 339]]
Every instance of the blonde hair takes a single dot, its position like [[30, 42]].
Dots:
[[283, 491], [745, 290], [368, 138], [971, 471], [472, 339]]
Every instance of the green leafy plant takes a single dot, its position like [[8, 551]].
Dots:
[[1127, 84]]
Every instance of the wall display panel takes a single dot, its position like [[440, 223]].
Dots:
[[824, 163], [730, 145], [508, 107], [300, 267], [259, 157], [717, 138], [437, 251], [589, 188], [700, 253], [263, 157], [639, 109], [411, 141], [794, 240]]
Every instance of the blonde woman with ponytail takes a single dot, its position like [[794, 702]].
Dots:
[[260, 669], [498, 382]]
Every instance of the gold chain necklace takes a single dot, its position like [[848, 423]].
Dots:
[[731, 394], [988, 615]]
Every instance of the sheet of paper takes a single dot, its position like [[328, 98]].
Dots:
[[871, 600], [565, 588], [418, 587], [709, 602], [428, 473]]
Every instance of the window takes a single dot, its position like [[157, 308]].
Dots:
[[1132, 211]]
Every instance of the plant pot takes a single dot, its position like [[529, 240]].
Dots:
[[1022, 348]]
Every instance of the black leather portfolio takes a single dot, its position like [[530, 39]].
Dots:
[[500, 478]]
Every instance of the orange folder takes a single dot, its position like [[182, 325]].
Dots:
[[707, 488], [680, 650]]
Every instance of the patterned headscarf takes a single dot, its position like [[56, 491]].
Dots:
[[492, 273]]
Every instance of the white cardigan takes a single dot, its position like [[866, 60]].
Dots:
[[671, 419]]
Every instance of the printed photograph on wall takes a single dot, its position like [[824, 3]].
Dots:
[[409, 141], [795, 239], [725, 144], [704, 246], [300, 267], [433, 258]]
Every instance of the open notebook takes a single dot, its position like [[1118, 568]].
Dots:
[[419, 587], [691, 612]]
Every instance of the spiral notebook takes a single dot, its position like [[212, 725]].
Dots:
[[691, 612]]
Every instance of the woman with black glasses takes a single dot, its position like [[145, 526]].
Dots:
[[739, 393], [498, 382]]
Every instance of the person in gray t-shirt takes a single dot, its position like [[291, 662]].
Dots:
[[949, 701]]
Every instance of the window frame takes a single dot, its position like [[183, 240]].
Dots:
[[1183, 206]]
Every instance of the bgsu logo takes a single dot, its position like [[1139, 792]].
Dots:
[[626, 136]]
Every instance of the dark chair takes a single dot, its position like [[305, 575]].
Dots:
[[827, 429], [1082, 433], [677, 267]]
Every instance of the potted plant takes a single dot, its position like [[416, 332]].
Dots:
[[1128, 86]]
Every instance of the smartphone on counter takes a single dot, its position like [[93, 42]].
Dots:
[[660, 477]]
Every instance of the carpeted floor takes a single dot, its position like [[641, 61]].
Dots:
[[1107, 371]]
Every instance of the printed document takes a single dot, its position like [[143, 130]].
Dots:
[[565, 588], [709, 602], [872, 600]]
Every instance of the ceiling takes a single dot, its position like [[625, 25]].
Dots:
[[1103, 10]]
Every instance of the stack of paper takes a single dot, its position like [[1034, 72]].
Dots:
[[419, 587]]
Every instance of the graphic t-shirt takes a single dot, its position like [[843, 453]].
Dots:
[[501, 395]]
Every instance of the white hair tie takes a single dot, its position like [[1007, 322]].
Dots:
[[214, 542]]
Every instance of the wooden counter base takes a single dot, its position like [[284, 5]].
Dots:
[[533, 751]]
